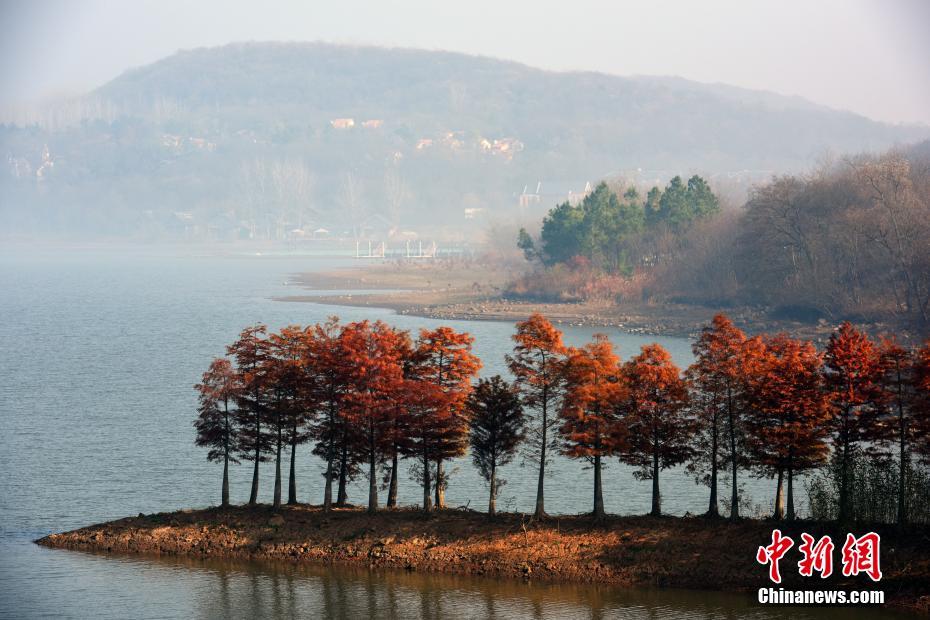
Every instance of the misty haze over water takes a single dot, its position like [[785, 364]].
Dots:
[[96, 382]]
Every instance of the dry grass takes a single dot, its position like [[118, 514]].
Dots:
[[627, 551]]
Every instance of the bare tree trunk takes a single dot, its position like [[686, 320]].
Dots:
[[277, 472], [791, 515], [392, 487], [292, 478], [224, 494], [328, 484], [712, 510], [540, 511], [734, 497], [656, 497], [372, 482], [780, 496], [342, 497], [253, 496], [440, 486], [426, 483], [224, 501], [492, 502], [598, 490]]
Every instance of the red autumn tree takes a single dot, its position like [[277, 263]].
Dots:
[[214, 424], [897, 424], [717, 381], [254, 442], [853, 369], [443, 358], [591, 426], [399, 416], [536, 365], [291, 399], [423, 401], [788, 413], [334, 440], [375, 354], [496, 430], [660, 430], [331, 369]]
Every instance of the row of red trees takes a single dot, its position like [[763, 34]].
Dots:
[[367, 395], [364, 394], [776, 406]]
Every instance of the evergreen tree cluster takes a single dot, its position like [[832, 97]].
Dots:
[[607, 228]]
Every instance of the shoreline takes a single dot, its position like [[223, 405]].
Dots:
[[628, 552], [473, 291]]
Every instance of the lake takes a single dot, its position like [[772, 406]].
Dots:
[[99, 350]]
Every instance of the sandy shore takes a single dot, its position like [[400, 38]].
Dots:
[[474, 291], [622, 551]]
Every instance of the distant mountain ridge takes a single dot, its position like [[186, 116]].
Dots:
[[458, 131], [135, 81], [239, 73]]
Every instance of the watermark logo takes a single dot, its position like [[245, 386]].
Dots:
[[817, 557], [859, 555], [773, 553]]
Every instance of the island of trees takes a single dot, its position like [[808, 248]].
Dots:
[[363, 396]]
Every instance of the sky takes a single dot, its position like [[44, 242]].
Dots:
[[868, 56]]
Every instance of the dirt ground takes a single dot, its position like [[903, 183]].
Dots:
[[475, 291], [690, 552]]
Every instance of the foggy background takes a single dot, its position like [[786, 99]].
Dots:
[[414, 122], [867, 56]]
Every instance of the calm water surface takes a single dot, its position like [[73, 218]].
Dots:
[[99, 350]]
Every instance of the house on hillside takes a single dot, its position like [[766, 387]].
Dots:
[[202, 144], [172, 141], [550, 193], [505, 147], [454, 140], [373, 123], [342, 123]]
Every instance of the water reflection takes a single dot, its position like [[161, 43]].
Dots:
[[236, 589]]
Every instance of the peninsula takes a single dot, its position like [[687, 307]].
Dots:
[[629, 551]]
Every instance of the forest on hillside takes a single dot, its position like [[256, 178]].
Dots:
[[258, 140], [848, 240]]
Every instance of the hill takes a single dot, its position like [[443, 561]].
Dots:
[[262, 138]]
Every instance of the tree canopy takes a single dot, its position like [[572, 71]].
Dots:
[[607, 228]]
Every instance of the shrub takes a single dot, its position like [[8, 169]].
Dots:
[[873, 490], [574, 281]]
